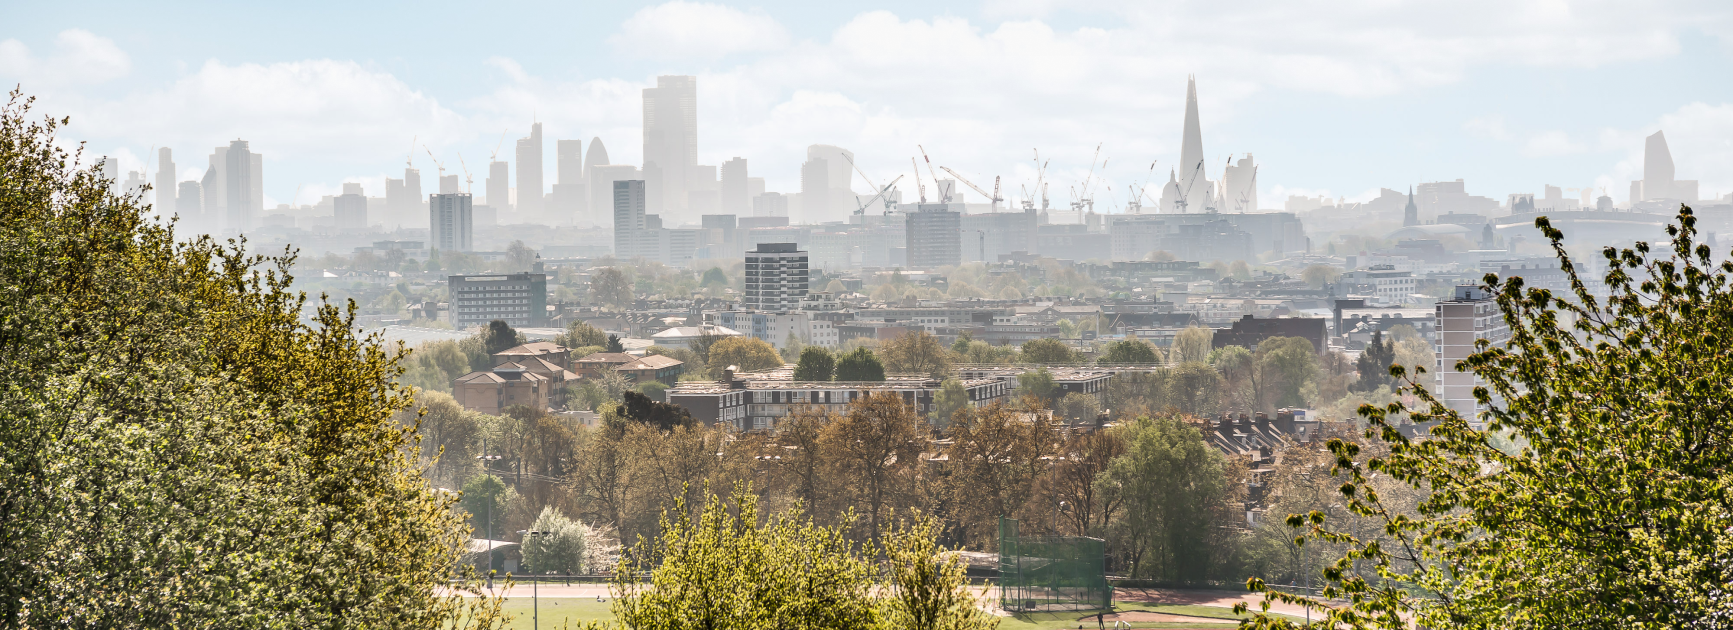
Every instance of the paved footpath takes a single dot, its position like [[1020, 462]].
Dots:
[[1215, 599]]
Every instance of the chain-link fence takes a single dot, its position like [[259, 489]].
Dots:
[[1042, 573]]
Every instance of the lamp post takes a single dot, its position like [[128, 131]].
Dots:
[[484, 458], [535, 586]]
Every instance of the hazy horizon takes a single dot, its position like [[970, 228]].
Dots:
[[1329, 99]]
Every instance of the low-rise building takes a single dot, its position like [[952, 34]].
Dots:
[[1249, 331], [506, 386], [758, 401], [654, 367]]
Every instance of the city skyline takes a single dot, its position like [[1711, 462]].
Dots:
[[1319, 119]]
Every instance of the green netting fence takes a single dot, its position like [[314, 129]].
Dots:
[[1042, 573]]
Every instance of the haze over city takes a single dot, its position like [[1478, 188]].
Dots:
[[1004, 315], [1335, 100]]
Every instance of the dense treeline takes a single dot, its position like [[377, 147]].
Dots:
[[177, 448]]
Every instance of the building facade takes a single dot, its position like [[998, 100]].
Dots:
[[519, 299], [934, 236], [451, 221], [1471, 314], [759, 401], [776, 278]]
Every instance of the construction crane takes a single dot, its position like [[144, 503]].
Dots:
[[468, 182], [943, 193], [884, 193], [1135, 206], [410, 160], [860, 208], [923, 187], [1085, 200], [495, 156], [994, 195], [436, 163]]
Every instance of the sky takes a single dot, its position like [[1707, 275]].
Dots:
[[1338, 97]]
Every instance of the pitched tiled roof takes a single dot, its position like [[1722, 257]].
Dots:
[[651, 362], [608, 357]]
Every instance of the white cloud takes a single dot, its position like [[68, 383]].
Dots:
[[694, 29], [79, 57], [1551, 144], [308, 110], [1487, 127]]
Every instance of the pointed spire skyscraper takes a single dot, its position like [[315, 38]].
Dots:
[[1194, 184]]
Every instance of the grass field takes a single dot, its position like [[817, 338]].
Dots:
[[555, 611]]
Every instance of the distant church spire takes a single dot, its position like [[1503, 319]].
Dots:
[[1410, 213]]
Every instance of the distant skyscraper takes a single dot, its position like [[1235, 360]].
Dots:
[[1410, 212], [1240, 185], [214, 191], [629, 222], [934, 236], [770, 204], [776, 277], [1658, 181], [529, 174], [597, 155], [111, 170], [451, 222], [165, 182], [448, 185], [1194, 187], [239, 183], [735, 196], [403, 200], [836, 200], [567, 201], [815, 196], [670, 141], [350, 208], [499, 185], [190, 203]]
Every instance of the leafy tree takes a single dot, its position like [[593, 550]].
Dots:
[[519, 257], [750, 354], [791, 348], [1130, 351], [816, 364], [1596, 494], [1319, 275], [950, 398], [916, 353], [859, 365], [432, 260], [1242, 385], [996, 459], [580, 334], [961, 345], [836, 288], [500, 337], [484, 498], [1177, 502], [450, 437], [614, 344], [928, 591], [707, 337], [610, 287], [1191, 344], [1077, 407], [663, 416], [714, 277], [182, 446], [873, 449], [1047, 351], [1194, 389], [1290, 363], [654, 390], [1090, 506], [727, 568], [1374, 363], [1038, 383], [560, 547]]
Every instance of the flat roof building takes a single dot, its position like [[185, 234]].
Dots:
[[518, 299]]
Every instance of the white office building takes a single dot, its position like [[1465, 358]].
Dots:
[[451, 221], [776, 276]]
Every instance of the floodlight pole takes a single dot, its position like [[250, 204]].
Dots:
[[535, 589], [485, 458]]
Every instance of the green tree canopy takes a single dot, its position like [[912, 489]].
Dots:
[[1176, 501], [1130, 351], [816, 364], [1596, 494], [750, 354], [559, 548], [1374, 363], [1047, 351], [500, 337], [1191, 344], [714, 277], [1039, 384], [859, 365], [182, 447], [917, 352], [580, 334]]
